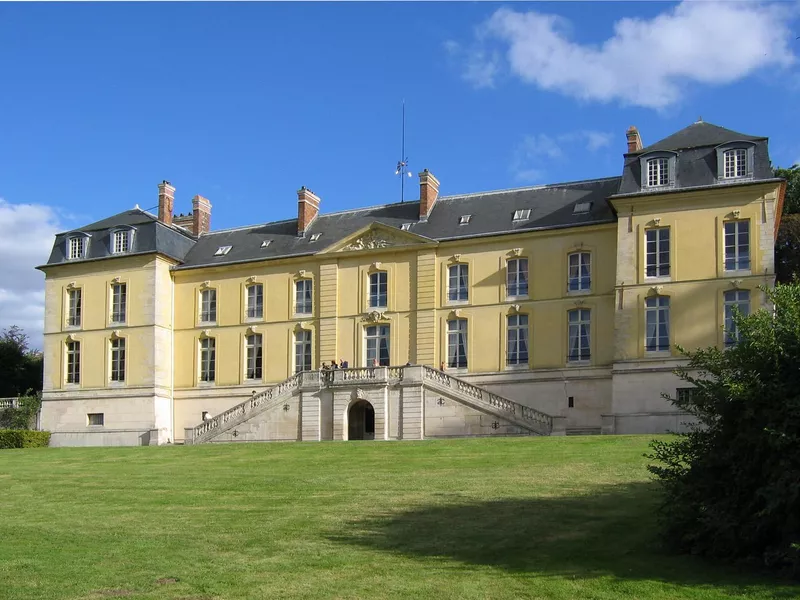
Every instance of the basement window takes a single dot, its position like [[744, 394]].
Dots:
[[405, 226], [95, 419], [523, 214], [315, 237], [222, 250], [266, 243], [582, 208], [464, 219]]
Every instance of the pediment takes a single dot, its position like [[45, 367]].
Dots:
[[377, 236]]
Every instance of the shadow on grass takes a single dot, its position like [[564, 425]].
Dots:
[[612, 531]]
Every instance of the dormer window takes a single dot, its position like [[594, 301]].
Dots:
[[735, 163], [315, 237], [522, 214], [657, 172], [464, 219], [121, 241], [77, 247], [222, 250], [658, 169]]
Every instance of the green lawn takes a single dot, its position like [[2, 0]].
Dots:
[[570, 518]]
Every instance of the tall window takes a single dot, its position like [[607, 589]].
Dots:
[[457, 344], [580, 272], [302, 351], [377, 345], [118, 359], [517, 278], [657, 252], [657, 172], [73, 362], [458, 283], [304, 293], [579, 323], [77, 247], [122, 241], [735, 300], [255, 301], [657, 324], [119, 302], [254, 356], [208, 306], [208, 359], [74, 301], [737, 245], [517, 340], [735, 163], [378, 289]]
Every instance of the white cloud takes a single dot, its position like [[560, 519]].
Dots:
[[26, 238], [646, 62], [535, 152]]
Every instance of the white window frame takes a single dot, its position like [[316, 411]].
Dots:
[[76, 247], [734, 299], [579, 272], [72, 349], [208, 360], [119, 303], [657, 314], [734, 163], [208, 305], [459, 273], [117, 359], [737, 255], [303, 350], [377, 338], [579, 336], [378, 280], [74, 307], [222, 250], [517, 278], [121, 241], [254, 301], [458, 344], [304, 297], [517, 341], [254, 357], [654, 265], [658, 172]]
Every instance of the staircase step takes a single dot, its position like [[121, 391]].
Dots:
[[584, 430]]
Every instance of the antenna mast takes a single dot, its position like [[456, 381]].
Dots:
[[402, 164]]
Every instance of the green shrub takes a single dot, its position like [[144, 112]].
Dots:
[[23, 438], [24, 416]]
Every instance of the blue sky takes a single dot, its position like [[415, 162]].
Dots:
[[245, 103]]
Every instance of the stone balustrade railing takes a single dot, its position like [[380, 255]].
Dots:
[[8, 403]]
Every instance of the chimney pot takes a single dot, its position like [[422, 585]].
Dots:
[[307, 209], [166, 202], [634, 139], [428, 193]]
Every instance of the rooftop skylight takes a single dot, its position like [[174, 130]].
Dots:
[[266, 243], [464, 219], [522, 214], [222, 250], [315, 237], [582, 208]]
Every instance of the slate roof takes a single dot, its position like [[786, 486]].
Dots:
[[696, 135]]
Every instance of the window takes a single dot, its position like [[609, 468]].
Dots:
[[579, 278], [122, 242], [737, 245], [315, 237], [266, 243], [378, 289], [254, 356], [684, 394], [522, 214], [657, 324], [222, 250], [517, 340], [74, 301], [119, 301], [735, 163], [255, 301], [581, 208], [657, 252], [464, 219], [208, 359], [405, 226], [457, 344], [118, 359], [77, 247], [73, 362], [377, 345], [95, 419], [302, 351], [303, 292], [579, 322], [657, 172], [458, 283], [208, 306], [735, 300], [517, 278]]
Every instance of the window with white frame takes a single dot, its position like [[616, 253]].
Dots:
[[657, 252], [579, 278], [74, 307], [656, 324], [302, 351], [255, 301], [208, 306], [378, 289], [458, 283], [735, 162], [303, 297], [517, 278], [122, 241], [377, 345], [517, 351], [73, 349], [737, 245], [685, 394], [457, 344], [578, 331], [657, 172], [735, 301], [77, 247], [208, 359], [118, 359], [254, 347], [119, 302]]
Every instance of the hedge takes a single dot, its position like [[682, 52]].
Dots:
[[23, 438]]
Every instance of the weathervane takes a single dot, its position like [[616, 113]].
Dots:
[[402, 164]]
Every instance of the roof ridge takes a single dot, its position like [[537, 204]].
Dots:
[[528, 188], [241, 227]]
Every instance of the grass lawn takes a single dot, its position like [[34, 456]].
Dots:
[[570, 518]]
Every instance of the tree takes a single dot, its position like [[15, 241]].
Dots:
[[732, 483], [787, 246], [791, 201], [21, 368]]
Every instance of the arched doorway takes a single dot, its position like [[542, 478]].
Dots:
[[361, 421]]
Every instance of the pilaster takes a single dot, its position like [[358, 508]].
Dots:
[[425, 330], [328, 308]]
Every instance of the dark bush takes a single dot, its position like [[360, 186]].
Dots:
[[23, 438], [24, 415]]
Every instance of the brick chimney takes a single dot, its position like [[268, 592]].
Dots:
[[186, 221], [166, 202], [201, 215], [428, 192], [634, 139], [307, 209]]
